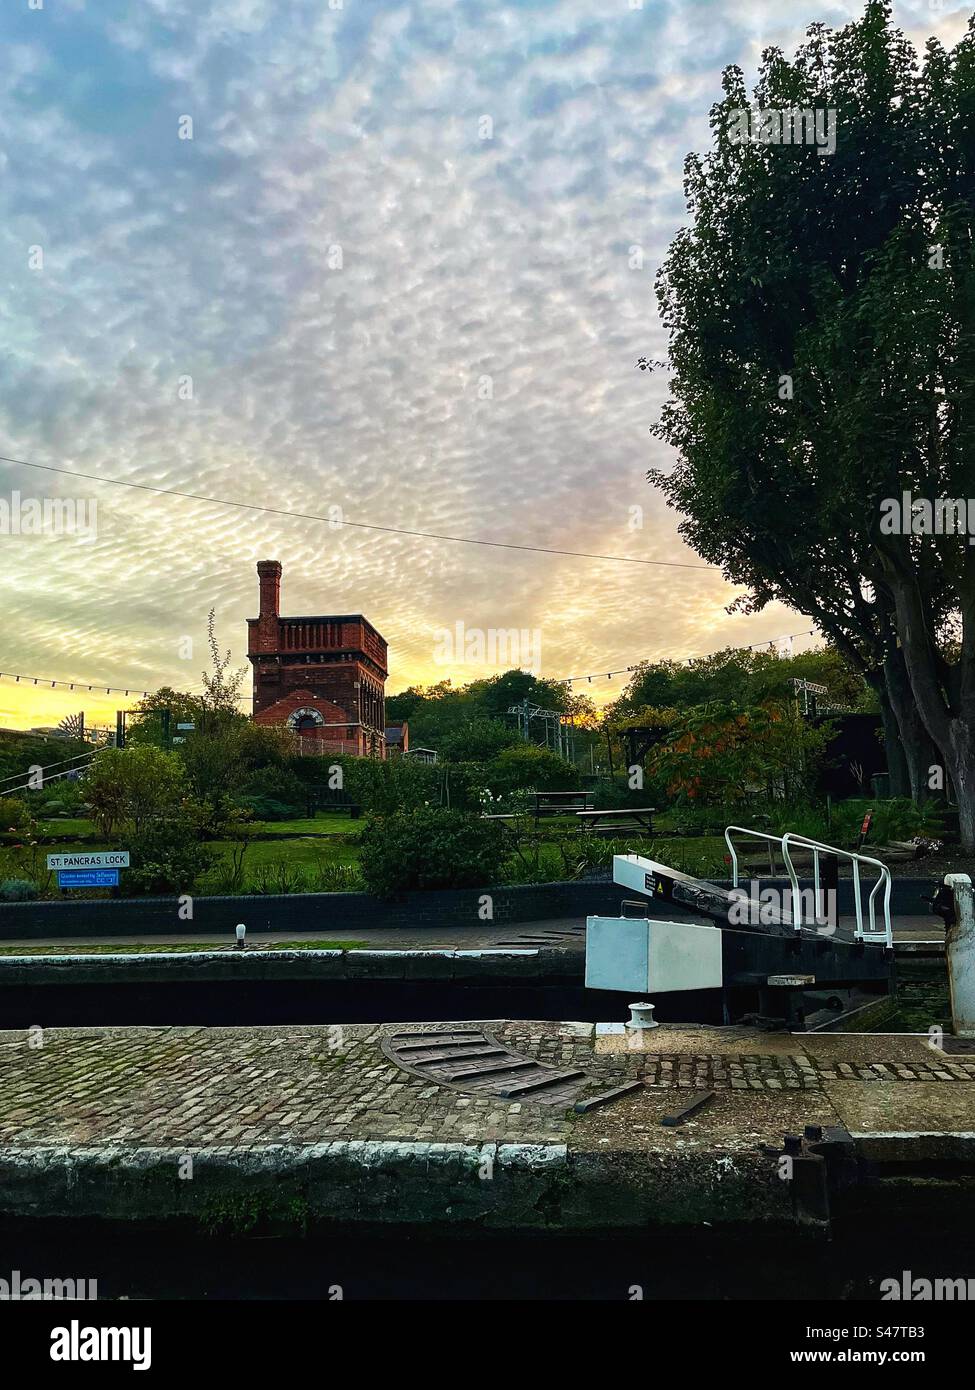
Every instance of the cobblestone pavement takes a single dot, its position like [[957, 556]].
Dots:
[[725, 1071], [243, 1087], [247, 1088]]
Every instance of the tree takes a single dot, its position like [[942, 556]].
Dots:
[[145, 723], [725, 752], [819, 310], [739, 674], [130, 789], [221, 687]]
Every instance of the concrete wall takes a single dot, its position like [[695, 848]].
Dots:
[[349, 912], [306, 912]]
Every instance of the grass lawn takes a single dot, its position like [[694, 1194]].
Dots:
[[79, 827], [319, 825], [82, 829], [303, 851]]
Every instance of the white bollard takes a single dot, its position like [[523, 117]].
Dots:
[[241, 932], [641, 1016], [960, 952]]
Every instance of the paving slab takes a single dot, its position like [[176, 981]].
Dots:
[[927, 1121]]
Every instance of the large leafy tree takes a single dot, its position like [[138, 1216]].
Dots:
[[822, 360]]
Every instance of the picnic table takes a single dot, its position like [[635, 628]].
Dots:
[[628, 818]]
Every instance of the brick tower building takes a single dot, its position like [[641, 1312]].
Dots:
[[324, 677]]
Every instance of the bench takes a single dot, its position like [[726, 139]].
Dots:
[[319, 802], [561, 803]]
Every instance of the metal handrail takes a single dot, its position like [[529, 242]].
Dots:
[[856, 859], [772, 839], [817, 847]]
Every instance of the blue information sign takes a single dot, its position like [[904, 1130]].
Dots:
[[88, 878]]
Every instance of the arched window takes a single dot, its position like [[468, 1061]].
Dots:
[[305, 721]]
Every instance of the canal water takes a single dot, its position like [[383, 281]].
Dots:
[[132, 1263]]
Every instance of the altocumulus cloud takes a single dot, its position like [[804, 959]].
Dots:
[[379, 308]]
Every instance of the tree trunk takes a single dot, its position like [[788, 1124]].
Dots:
[[952, 731], [919, 752], [962, 769], [897, 768]]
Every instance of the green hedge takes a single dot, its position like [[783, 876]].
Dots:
[[430, 848]]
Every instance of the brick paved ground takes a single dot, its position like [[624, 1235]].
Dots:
[[727, 1071], [297, 1123], [250, 1087]]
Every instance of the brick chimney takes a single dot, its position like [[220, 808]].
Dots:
[[267, 619]]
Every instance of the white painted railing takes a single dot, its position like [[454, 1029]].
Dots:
[[790, 838]]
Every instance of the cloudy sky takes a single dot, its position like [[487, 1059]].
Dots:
[[391, 272]]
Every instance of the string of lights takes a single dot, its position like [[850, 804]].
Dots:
[[589, 676], [70, 685]]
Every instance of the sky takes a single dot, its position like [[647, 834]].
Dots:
[[391, 259]]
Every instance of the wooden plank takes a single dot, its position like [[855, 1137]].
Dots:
[[694, 1103], [582, 1107]]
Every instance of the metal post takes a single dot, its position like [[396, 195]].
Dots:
[[960, 952]]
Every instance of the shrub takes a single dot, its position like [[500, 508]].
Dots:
[[277, 786], [168, 858], [430, 848], [332, 877], [280, 878], [379, 786], [896, 819], [266, 808], [586, 854], [63, 796], [14, 814], [130, 789], [17, 890], [524, 765]]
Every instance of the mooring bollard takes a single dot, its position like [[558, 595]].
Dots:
[[641, 1016], [960, 953], [241, 932]]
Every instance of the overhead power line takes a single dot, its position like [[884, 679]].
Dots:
[[359, 525]]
